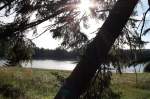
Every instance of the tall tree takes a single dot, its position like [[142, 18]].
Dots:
[[97, 50]]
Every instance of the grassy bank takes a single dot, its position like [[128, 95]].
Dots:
[[43, 84], [129, 89]]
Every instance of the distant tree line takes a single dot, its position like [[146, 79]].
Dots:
[[62, 54], [56, 54], [126, 57]]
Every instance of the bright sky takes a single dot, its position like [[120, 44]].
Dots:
[[142, 7], [46, 40]]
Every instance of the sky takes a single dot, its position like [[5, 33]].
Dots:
[[142, 7], [46, 40]]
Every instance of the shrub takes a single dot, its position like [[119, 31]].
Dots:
[[147, 68]]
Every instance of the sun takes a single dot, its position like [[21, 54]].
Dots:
[[85, 5]]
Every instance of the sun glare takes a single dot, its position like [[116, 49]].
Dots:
[[85, 6]]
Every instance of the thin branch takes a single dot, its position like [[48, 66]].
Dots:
[[44, 31], [105, 10], [40, 34], [144, 17], [5, 5], [8, 15]]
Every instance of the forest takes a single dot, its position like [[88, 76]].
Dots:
[[57, 54], [54, 54], [62, 54]]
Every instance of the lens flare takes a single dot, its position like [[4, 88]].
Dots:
[[85, 6]]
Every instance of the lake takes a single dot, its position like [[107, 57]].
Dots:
[[48, 64], [66, 65]]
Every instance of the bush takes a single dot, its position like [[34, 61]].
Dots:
[[147, 68], [9, 91]]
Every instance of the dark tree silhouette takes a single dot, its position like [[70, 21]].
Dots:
[[97, 50], [147, 68]]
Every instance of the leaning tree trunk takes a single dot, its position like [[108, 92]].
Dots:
[[97, 51]]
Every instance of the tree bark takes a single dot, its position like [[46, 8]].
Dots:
[[97, 51]]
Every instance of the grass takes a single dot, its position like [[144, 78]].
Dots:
[[33, 83], [23, 83], [126, 84]]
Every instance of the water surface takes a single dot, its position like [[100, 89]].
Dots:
[[67, 65]]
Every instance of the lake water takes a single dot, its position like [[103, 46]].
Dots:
[[48, 64], [66, 65]]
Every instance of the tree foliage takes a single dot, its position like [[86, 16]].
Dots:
[[63, 16], [19, 51]]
